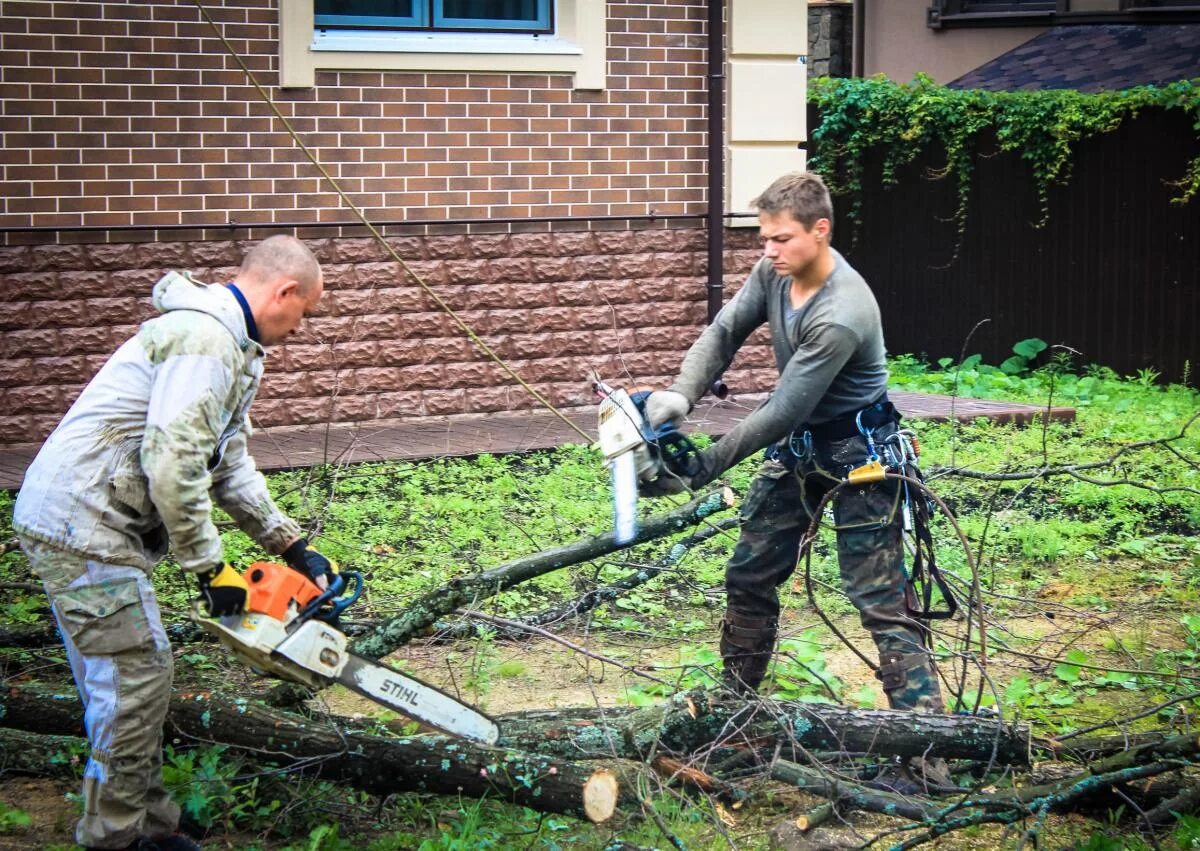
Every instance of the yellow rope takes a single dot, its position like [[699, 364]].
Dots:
[[378, 236]]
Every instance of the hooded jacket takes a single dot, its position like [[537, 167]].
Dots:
[[154, 439]]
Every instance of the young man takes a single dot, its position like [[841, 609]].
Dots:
[[134, 465], [828, 342]]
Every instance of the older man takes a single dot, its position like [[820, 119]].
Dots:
[[134, 466]]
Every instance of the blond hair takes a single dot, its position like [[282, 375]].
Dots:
[[801, 193]]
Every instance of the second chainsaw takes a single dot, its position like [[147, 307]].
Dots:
[[636, 452]]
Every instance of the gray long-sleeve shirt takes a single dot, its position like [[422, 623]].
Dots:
[[830, 355]]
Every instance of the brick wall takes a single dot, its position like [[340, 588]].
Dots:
[[132, 113], [553, 305]]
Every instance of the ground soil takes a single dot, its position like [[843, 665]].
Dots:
[[539, 673]]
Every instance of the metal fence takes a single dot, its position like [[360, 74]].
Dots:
[[1114, 273]]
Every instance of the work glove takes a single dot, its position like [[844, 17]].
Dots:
[[224, 591], [304, 559], [664, 406], [665, 484]]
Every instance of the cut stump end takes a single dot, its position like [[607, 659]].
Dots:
[[600, 793]]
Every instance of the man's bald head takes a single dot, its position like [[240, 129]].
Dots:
[[281, 281], [277, 257]]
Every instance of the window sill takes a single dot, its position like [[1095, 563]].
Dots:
[[368, 41]]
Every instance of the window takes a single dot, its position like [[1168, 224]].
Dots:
[[515, 36], [436, 15]]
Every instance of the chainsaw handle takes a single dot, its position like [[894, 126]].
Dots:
[[335, 596]]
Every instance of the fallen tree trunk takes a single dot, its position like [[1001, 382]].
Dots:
[[23, 752], [699, 720], [374, 764], [467, 591]]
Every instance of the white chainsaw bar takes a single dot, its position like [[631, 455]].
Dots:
[[315, 654]]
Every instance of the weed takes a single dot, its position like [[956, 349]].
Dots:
[[798, 671], [206, 785], [12, 818]]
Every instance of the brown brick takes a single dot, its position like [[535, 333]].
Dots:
[[592, 267], [531, 295], [35, 400], [575, 244], [417, 325], [24, 425], [15, 258], [303, 357], [422, 376], [572, 293], [353, 408], [15, 372], [29, 285], [438, 402], [470, 272], [532, 244], [399, 404], [491, 399]]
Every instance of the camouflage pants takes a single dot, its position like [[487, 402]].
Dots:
[[777, 511], [119, 654]]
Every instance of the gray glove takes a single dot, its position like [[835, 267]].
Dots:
[[664, 406]]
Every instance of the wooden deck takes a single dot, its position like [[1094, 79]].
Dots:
[[471, 434]]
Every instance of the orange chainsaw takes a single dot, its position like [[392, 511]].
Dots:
[[289, 631]]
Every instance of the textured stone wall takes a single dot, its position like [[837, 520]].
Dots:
[[555, 306], [830, 38]]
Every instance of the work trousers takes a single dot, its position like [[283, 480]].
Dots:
[[778, 510], [109, 621]]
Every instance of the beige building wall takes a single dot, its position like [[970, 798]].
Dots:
[[898, 44], [768, 80]]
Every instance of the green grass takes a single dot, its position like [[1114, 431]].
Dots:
[[1126, 556]]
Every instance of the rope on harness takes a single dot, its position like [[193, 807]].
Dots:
[[974, 610]]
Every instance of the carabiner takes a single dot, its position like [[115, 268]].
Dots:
[[872, 452]]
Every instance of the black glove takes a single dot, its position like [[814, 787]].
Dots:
[[667, 483], [224, 590], [303, 558]]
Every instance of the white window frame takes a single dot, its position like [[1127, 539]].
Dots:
[[577, 47]]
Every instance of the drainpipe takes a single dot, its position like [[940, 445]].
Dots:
[[858, 35], [716, 168]]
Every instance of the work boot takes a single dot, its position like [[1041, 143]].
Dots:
[[910, 682], [746, 646], [915, 776], [175, 842], [932, 773], [141, 844]]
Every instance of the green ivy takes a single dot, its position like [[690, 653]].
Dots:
[[901, 120]]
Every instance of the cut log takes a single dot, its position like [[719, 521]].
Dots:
[[600, 794], [375, 764], [467, 591], [699, 720], [23, 752]]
